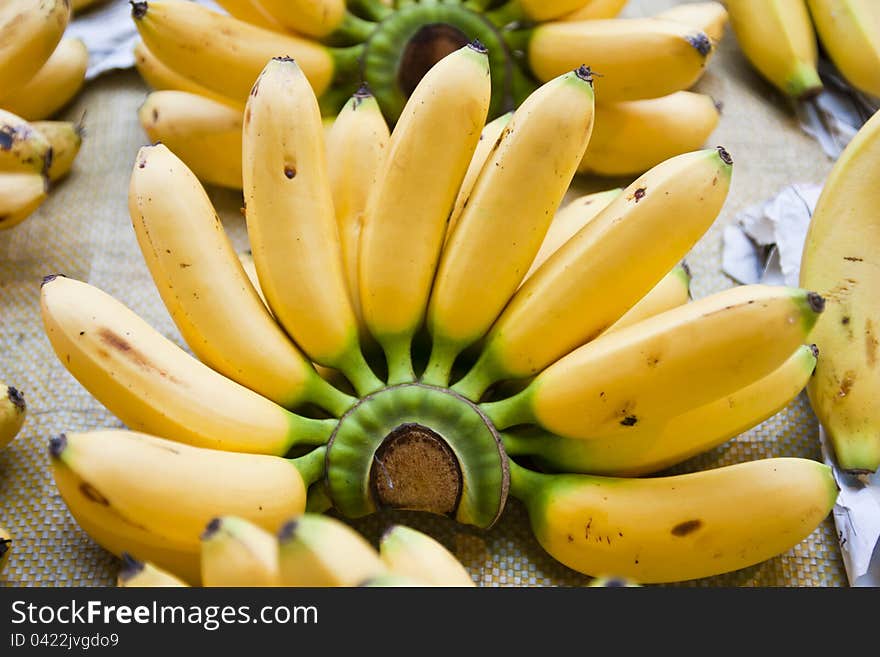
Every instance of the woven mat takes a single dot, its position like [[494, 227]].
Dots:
[[83, 230]]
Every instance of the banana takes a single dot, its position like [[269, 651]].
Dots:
[[711, 17], [152, 385], [669, 529], [81, 5], [777, 38], [356, 147], [841, 260], [291, 222], [539, 11], [206, 291], [29, 32], [136, 574], [316, 18], [246, 258], [594, 9], [401, 240], [250, 11], [318, 550], [236, 552], [510, 208], [13, 410], [152, 498], [22, 148], [636, 57], [632, 136], [55, 84], [5, 547], [20, 195], [65, 138], [850, 32], [672, 291], [646, 449], [410, 553], [665, 365], [547, 317]]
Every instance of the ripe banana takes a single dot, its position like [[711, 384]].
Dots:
[[13, 411], [841, 260], [29, 32], [356, 147], [538, 11], [20, 195], [711, 17], [317, 18], [777, 37], [291, 222], [22, 148], [152, 498], [65, 138], [136, 574], [665, 365], [509, 210], [546, 317], [206, 291], [318, 550], [81, 5], [5, 547], [54, 85], [236, 552], [410, 553], [250, 11], [669, 529], [850, 32], [594, 9], [632, 136], [402, 236], [246, 258], [642, 449], [636, 57], [672, 291], [152, 385]]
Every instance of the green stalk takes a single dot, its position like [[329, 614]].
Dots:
[[358, 371], [525, 484], [351, 30], [311, 465], [398, 353], [371, 9], [308, 431], [328, 397], [347, 63], [439, 369], [510, 412]]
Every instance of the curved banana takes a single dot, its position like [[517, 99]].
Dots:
[[291, 222], [236, 552], [546, 317], [595, 9], [29, 32], [65, 138], [644, 449], [250, 11], [13, 411], [246, 258], [669, 529], [152, 385], [777, 37], [20, 195], [22, 147], [137, 574], [539, 11], [672, 291], [665, 365], [55, 84], [841, 260], [410, 553], [316, 18], [82, 5], [633, 58], [152, 498], [711, 17], [5, 547], [632, 136], [509, 210], [850, 32], [428, 155]]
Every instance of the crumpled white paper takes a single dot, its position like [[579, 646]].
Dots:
[[764, 245]]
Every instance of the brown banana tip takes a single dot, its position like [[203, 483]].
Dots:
[[615, 582], [50, 278], [138, 9], [363, 91], [815, 349], [719, 106], [478, 46], [584, 73], [701, 42], [285, 58], [57, 445], [17, 398], [47, 164], [817, 303], [724, 155], [212, 528], [288, 530], [687, 269], [131, 567]]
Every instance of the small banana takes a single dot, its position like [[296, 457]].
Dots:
[[711, 17], [81, 5], [539, 11], [672, 291], [20, 195], [236, 552], [65, 138], [5, 547], [318, 550], [22, 147], [30, 31], [594, 9], [135, 574], [13, 411], [410, 553], [55, 84], [317, 18], [250, 11]]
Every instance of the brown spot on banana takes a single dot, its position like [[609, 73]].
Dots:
[[871, 344], [846, 384], [686, 527], [116, 342], [93, 494]]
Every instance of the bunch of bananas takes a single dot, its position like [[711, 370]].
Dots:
[[779, 38], [40, 73], [309, 550], [449, 381], [643, 117]]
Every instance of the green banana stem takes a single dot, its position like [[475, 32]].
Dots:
[[510, 412], [317, 499], [398, 353], [439, 369], [358, 371], [311, 465], [526, 484], [309, 431], [351, 30], [371, 9], [347, 63], [510, 13], [328, 397]]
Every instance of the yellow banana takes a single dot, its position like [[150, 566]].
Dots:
[[246, 258], [65, 138], [428, 155], [29, 32], [82, 5], [644, 449], [632, 136], [152, 498], [137, 574], [665, 365], [669, 529], [777, 37], [250, 11], [410, 553], [583, 288], [13, 411], [5, 547], [539, 11], [22, 148], [841, 260], [850, 32], [54, 85], [315, 18], [291, 222], [152, 385], [318, 550], [594, 9], [356, 147], [236, 552], [20, 195], [636, 57], [672, 291], [711, 17], [509, 210]]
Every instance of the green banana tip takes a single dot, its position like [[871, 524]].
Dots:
[[16, 397], [131, 567], [138, 9], [57, 445]]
